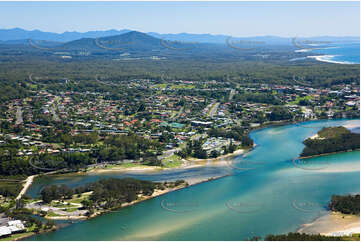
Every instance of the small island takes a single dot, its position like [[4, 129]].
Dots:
[[331, 140]]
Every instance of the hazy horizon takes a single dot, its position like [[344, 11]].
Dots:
[[112, 29], [240, 19]]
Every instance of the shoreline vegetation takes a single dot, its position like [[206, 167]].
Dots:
[[330, 140], [326, 154]]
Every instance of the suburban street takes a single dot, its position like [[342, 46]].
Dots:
[[19, 116], [213, 109]]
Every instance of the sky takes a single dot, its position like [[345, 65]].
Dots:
[[241, 19]]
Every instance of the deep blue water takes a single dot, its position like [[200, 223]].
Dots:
[[343, 53], [339, 53]]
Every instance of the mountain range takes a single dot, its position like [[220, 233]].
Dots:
[[17, 34]]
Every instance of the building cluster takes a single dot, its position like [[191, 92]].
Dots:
[[9, 227]]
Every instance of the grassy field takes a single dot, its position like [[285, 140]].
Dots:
[[77, 199], [172, 161], [298, 99], [17, 236], [52, 214], [183, 86], [163, 85], [13, 186], [62, 205], [71, 210]]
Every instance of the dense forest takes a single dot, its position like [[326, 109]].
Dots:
[[313, 73], [10, 188], [332, 139], [348, 204], [10, 89]]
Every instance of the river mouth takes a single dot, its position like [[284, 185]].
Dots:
[[271, 196]]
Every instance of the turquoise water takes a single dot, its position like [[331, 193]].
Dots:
[[276, 195]]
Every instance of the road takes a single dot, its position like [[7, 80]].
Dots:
[[168, 153], [28, 183], [213, 110], [178, 113], [56, 118], [19, 116], [60, 211], [231, 94]]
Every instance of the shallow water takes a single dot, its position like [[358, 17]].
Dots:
[[274, 194]]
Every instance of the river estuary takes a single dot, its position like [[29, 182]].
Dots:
[[266, 192]]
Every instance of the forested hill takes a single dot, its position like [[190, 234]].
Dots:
[[135, 44]]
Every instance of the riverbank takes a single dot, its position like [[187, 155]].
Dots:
[[325, 154], [187, 164], [333, 224]]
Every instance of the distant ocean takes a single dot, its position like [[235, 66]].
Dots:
[[340, 53]]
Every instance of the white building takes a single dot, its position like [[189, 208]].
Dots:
[[4, 231], [12, 227], [16, 226]]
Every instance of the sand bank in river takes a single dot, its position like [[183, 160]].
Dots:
[[333, 224]]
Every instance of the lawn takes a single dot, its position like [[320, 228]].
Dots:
[[183, 86], [298, 99], [163, 85], [172, 161], [13, 186], [71, 210], [77, 199], [52, 214], [17, 236], [62, 205]]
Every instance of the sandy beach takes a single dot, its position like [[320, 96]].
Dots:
[[333, 224], [314, 136], [351, 125]]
